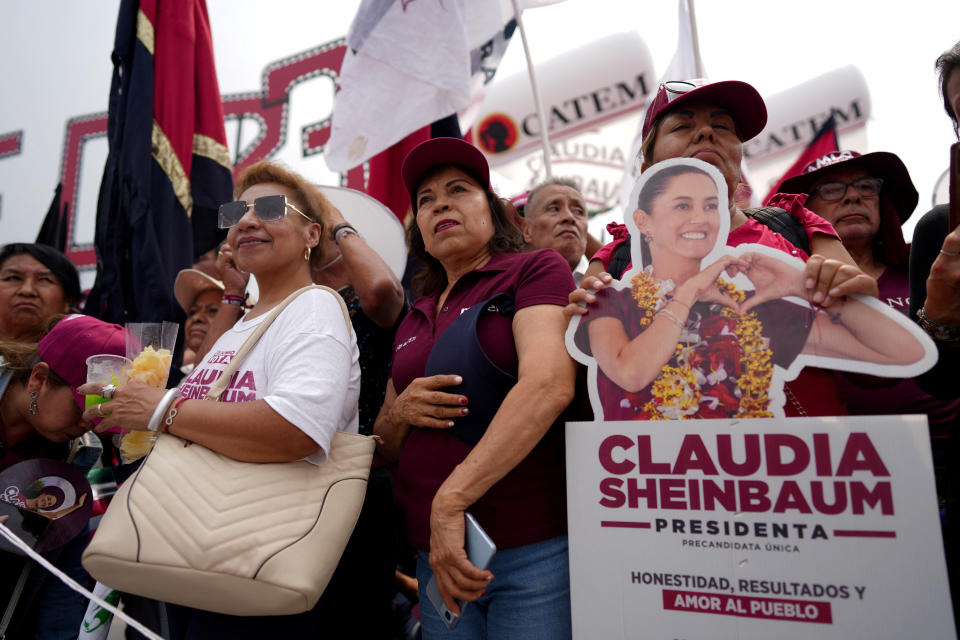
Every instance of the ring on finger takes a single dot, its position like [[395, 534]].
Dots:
[[108, 391], [949, 253], [100, 410]]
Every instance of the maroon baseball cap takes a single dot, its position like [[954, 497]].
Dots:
[[739, 98], [897, 185], [440, 151], [75, 338]]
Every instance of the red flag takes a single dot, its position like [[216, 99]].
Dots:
[[824, 142], [167, 169]]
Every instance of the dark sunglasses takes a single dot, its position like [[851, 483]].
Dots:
[[833, 191], [267, 209]]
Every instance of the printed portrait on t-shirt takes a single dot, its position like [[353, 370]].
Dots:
[[697, 329]]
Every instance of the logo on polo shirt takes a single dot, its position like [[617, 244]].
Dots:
[[404, 343]]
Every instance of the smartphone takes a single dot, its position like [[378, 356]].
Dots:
[[954, 215], [480, 549]]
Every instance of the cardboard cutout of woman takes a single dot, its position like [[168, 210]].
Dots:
[[697, 329]]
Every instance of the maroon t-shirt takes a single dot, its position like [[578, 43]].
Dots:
[[866, 395], [813, 392], [35, 446], [894, 287], [529, 503], [784, 324]]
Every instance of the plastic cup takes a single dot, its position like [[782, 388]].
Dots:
[[105, 369], [150, 347], [155, 336]]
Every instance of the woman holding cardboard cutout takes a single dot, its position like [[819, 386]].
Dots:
[[684, 342]]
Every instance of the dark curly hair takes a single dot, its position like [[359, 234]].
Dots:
[[506, 239]]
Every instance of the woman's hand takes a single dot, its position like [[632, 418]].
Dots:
[[827, 280], [823, 281], [943, 284], [131, 407], [771, 278], [703, 286], [422, 405], [456, 577], [585, 295], [234, 280]]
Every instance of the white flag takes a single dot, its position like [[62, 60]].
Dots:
[[408, 65], [683, 66]]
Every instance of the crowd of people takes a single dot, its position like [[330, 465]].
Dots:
[[444, 372]]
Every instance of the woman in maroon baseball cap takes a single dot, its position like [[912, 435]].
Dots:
[[40, 409], [479, 379], [40, 412], [711, 122]]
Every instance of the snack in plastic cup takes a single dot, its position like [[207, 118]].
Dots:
[[150, 345]]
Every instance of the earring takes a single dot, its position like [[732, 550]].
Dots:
[[306, 254], [33, 408]]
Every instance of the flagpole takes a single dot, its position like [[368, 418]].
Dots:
[[698, 63], [544, 137]]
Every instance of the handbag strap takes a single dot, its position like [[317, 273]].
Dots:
[[218, 387]]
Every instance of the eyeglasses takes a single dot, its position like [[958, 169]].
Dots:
[[267, 209], [833, 191]]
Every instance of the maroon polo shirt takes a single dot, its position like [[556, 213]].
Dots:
[[529, 503]]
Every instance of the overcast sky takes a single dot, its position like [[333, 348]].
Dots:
[[57, 66]]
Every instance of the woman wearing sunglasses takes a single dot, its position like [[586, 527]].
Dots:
[[295, 387], [711, 122]]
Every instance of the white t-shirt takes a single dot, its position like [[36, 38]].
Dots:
[[306, 366]]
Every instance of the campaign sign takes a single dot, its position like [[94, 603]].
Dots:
[[52, 500], [750, 529]]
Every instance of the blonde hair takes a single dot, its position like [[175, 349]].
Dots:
[[315, 204], [21, 358]]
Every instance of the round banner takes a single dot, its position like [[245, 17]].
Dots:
[[52, 489]]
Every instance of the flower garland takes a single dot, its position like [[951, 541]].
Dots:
[[737, 340]]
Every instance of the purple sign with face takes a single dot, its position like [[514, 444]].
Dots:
[[48, 502]]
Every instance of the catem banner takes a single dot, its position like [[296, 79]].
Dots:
[[797, 113], [755, 529], [581, 89]]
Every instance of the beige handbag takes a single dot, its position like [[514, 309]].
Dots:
[[197, 528]]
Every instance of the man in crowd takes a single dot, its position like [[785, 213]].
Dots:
[[867, 198], [555, 217]]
